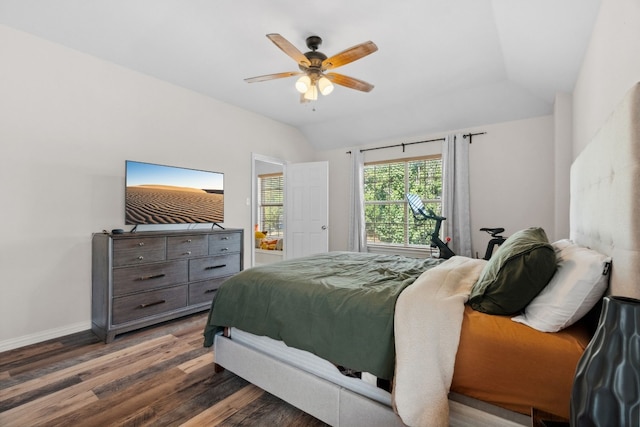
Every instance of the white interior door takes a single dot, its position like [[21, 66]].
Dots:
[[306, 209]]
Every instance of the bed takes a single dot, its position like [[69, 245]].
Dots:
[[448, 355]]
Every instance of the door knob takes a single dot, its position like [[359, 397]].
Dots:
[[324, 227]]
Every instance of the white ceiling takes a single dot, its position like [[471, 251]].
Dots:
[[441, 65]]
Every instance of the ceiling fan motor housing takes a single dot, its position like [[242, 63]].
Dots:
[[313, 42], [314, 56]]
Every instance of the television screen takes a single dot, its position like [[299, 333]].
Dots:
[[157, 194]]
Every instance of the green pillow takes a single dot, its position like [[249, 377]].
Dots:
[[515, 274]]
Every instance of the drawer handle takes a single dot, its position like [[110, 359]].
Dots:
[[140, 257], [225, 238], [213, 267], [149, 304], [155, 276], [187, 253], [141, 244], [188, 240], [209, 291], [224, 249]]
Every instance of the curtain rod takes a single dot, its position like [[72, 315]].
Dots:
[[471, 135], [404, 144]]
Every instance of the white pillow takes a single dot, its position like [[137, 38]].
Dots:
[[574, 289]]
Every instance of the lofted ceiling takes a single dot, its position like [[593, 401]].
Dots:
[[441, 65]]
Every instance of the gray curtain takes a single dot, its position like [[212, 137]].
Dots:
[[357, 232], [455, 194]]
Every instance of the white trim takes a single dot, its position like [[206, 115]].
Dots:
[[39, 337]]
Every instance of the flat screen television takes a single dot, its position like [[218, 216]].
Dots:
[[158, 194]]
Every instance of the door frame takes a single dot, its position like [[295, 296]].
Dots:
[[254, 195]]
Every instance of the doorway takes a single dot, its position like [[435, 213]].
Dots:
[[263, 250]]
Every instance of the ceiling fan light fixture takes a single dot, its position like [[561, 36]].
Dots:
[[311, 94], [303, 84], [314, 63], [325, 86]]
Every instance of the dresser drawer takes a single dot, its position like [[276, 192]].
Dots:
[[214, 266], [137, 251], [200, 292], [149, 276], [220, 243], [186, 246], [132, 307]]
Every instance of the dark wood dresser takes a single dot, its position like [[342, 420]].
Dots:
[[140, 279]]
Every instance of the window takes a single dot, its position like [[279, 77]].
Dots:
[[271, 194], [388, 217]]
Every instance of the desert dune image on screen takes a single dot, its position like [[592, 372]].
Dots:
[[157, 194]]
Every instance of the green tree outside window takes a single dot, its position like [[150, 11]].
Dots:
[[388, 217]]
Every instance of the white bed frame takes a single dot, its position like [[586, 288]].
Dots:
[[334, 403], [605, 197]]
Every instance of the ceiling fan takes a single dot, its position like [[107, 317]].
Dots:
[[314, 64]]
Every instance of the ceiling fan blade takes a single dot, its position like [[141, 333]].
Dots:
[[349, 55], [289, 49], [272, 76], [350, 82]]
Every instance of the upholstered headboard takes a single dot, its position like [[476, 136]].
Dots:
[[605, 195]]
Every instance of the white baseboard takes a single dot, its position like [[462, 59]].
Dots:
[[38, 337]]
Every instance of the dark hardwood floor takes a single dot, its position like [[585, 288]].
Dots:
[[159, 376]]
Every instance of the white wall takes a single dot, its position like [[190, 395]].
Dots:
[[68, 121], [563, 139], [610, 68], [512, 178], [511, 174]]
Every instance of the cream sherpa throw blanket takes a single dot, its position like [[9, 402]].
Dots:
[[428, 320]]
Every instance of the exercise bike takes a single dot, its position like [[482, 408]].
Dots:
[[421, 213], [496, 240]]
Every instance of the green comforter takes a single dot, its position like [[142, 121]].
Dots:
[[338, 305]]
